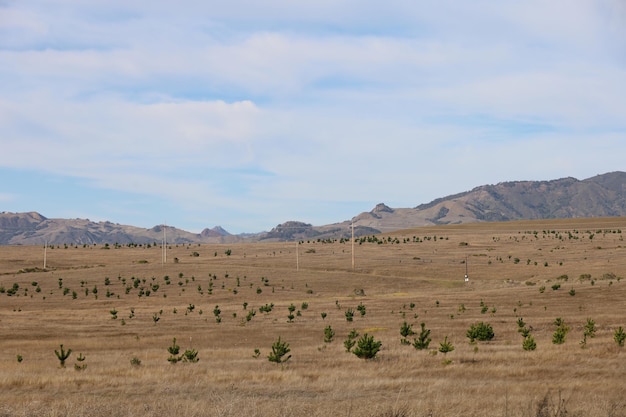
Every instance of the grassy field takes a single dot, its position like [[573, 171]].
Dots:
[[538, 271]]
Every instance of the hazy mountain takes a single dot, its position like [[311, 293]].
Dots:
[[35, 229], [599, 196]]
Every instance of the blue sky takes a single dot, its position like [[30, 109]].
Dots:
[[247, 114]]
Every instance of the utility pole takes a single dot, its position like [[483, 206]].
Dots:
[[45, 249], [353, 245], [164, 250]]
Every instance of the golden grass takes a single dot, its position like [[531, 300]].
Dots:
[[493, 378]]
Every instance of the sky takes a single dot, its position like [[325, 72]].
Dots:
[[247, 114]]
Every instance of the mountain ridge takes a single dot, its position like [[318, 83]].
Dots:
[[603, 195]]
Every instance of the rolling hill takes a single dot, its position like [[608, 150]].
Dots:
[[600, 196]]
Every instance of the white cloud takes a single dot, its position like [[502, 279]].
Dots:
[[266, 108]]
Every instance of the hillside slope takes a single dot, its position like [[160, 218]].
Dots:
[[600, 196]]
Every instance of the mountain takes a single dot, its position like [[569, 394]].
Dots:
[[34, 229], [600, 196]]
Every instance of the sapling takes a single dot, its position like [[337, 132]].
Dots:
[[423, 340], [406, 330], [349, 314], [82, 365], [350, 341], [361, 309], [173, 351], [590, 328], [445, 347], [529, 343], [62, 355], [190, 355], [329, 333], [279, 350], [480, 331], [367, 347], [619, 336]]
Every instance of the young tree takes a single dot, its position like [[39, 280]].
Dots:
[[279, 350], [62, 355], [423, 340], [367, 347]]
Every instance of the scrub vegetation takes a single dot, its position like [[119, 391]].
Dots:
[[276, 329]]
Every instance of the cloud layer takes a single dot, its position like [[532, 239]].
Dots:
[[248, 114]]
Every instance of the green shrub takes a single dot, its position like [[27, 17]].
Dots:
[[62, 355], [367, 347], [173, 351], [350, 341], [349, 314], [480, 331], [446, 346], [529, 343], [423, 340], [329, 334], [279, 350], [619, 336]]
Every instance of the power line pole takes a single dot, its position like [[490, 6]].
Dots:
[[353, 245]]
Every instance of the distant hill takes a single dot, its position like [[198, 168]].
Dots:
[[34, 229], [599, 196]]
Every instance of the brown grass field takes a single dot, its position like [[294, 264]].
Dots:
[[417, 278]]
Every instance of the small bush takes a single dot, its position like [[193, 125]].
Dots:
[[529, 343], [279, 350], [423, 340], [367, 347], [480, 331], [619, 336], [329, 334]]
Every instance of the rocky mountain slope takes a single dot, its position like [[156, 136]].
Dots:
[[599, 196]]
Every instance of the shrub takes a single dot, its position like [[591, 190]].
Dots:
[[529, 343], [367, 347], [190, 355], [81, 358], [349, 314], [446, 346], [619, 336], [590, 328], [62, 355], [423, 340], [329, 333], [480, 331], [173, 351], [361, 309], [350, 341], [135, 361], [558, 337], [279, 350]]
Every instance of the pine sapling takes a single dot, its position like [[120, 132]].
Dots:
[[279, 350], [329, 334], [173, 351], [367, 347], [62, 355], [423, 340], [351, 340], [619, 336]]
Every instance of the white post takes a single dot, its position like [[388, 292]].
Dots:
[[164, 246], [353, 245]]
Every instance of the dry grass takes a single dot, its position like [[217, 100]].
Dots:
[[488, 379]]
